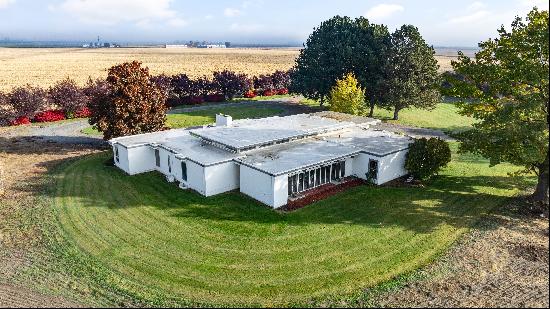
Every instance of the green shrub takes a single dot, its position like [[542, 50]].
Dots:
[[427, 156], [347, 96]]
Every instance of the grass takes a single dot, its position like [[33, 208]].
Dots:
[[444, 117], [207, 116], [164, 246]]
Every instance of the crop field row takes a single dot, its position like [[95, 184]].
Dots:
[[44, 66]]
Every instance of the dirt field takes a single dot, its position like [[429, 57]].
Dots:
[[45, 66]]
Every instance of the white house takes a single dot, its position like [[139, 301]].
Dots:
[[269, 159]]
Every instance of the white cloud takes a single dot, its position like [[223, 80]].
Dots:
[[469, 18], [109, 12], [5, 3], [209, 17], [383, 11], [476, 6], [231, 12]]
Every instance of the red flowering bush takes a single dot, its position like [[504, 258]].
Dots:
[[20, 121], [250, 94], [282, 91], [49, 116], [82, 113], [268, 93]]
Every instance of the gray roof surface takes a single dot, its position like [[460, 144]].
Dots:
[[257, 132], [327, 139], [301, 154]]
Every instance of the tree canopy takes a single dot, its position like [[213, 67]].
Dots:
[[133, 103], [411, 72], [339, 46], [508, 81]]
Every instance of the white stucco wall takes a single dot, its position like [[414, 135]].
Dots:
[[389, 167], [195, 176], [265, 188], [392, 166], [142, 159], [123, 161], [221, 178], [280, 190]]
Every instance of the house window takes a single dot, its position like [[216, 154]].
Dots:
[[318, 176], [183, 171], [169, 165], [373, 170], [157, 157], [301, 182], [117, 157]]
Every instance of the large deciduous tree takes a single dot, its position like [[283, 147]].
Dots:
[[339, 46], [508, 80], [133, 104], [411, 77]]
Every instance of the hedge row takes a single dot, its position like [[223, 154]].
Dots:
[[67, 100]]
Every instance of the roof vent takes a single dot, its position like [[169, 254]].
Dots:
[[223, 120]]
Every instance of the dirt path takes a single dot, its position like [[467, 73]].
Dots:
[[502, 263]]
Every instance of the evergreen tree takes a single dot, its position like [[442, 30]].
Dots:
[[411, 72]]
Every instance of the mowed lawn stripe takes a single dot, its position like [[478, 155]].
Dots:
[[229, 250]]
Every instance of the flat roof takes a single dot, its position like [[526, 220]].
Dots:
[[149, 138], [193, 149], [251, 133], [289, 157], [181, 143]]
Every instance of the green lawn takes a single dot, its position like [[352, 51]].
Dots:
[[444, 117], [164, 246], [198, 118]]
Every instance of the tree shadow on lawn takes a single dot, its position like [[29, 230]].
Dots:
[[457, 201]]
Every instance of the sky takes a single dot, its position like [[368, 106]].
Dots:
[[442, 23]]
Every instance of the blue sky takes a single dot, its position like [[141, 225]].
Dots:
[[442, 23]]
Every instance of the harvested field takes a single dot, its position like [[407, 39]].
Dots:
[[45, 66]]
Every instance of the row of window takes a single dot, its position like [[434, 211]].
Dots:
[[310, 179], [183, 165]]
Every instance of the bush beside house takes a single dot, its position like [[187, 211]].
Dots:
[[426, 157]]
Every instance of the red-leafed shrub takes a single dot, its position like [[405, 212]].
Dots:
[[263, 83], [282, 91], [250, 94], [192, 100], [20, 121], [66, 95], [231, 84], [268, 93], [215, 98], [82, 113], [49, 116], [26, 101], [280, 79]]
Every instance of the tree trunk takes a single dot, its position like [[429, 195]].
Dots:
[[541, 192], [371, 112], [322, 101], [396, 114]]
